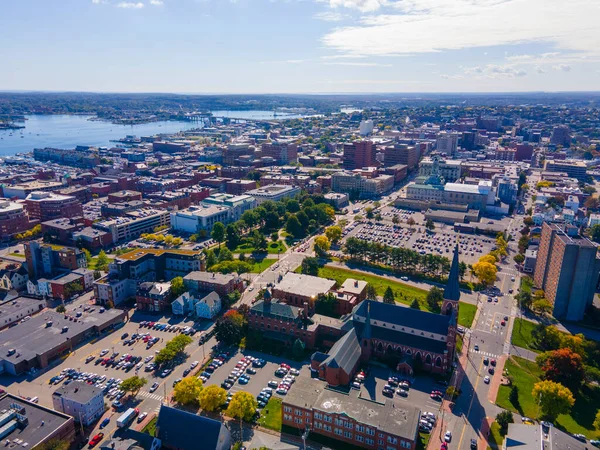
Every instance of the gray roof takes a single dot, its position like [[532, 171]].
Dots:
[[530, 437], [304, 285], [402, 316], [210, 277], [452, 291], [275, 310], [211, 298], [182, 430], [406, 339], [345, 353], [78, 392], [393, 417]]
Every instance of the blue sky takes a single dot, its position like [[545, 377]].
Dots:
[[298, 46]]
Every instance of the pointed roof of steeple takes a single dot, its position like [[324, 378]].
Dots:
[[367, 331], [452, 291]]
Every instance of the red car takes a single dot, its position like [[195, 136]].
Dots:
[[96, 439]]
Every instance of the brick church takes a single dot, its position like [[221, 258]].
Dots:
[[404, 337]]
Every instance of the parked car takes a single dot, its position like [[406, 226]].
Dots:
[[105, 422], [96, 439]]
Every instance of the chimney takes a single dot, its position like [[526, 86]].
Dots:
[[355, 283], [306, 310]]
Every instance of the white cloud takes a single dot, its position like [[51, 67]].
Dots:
[[539, 69], [361, 5], [358, 64], [156, 2], [130, 5], [495, 71], [563, 67], [425, 26], [330, 16]]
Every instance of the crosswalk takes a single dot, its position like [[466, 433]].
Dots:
[[150, 395], [489, 355]]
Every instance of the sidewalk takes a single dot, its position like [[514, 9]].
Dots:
[[496, 380]]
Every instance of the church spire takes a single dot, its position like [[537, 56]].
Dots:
[[452, 291]]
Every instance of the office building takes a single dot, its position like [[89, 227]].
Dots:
[[13, 219], [239, 187], [561, 135], [45, 206], [22, 190], [405, 154], [574, 169], [47, 259], [282, 151], [80, 156], [366, 127], [24, 424], [124, 196], [196, 219], [450, 170], [505, 154], [507, 191], [134, 223], [524, 152], [83, 402], [359, 186], [566, 270], [447, 142], [274, 192], [358, 154]]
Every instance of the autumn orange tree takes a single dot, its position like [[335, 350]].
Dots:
[[562, 366], [231, 327]]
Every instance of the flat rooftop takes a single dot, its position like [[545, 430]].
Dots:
[[137, 254], [21, 305], [78, 392], [305, 285], [390, 417], [33, 337], [33, 433], [210, 277]]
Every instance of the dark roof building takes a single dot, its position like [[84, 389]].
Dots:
[[181, 430]]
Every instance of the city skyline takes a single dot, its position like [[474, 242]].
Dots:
[[252, 46]]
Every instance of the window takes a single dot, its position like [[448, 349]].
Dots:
[[287, 417], [327, 427], [392, 440], [338, 431], [391, 448], [318, 416], [369, 441], [405, 444], [359, 438], [370, 431], [360, 428], [380, 442], [318, 425], [298, 412], [347, 434], [287, 409], [298, 421], [307, 420]]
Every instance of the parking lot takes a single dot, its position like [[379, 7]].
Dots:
[[258, 381], [441, 241]]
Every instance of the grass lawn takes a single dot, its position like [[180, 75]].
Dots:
[[150, 427], [521, 334], [272, 247], [404, 293], [525, 374], [466, 314], [459, 343], [18, 255], [423, 441], [271, 415], [262, 265], [526, 284], [495, 439]]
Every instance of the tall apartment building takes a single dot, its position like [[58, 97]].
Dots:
[[44, 206], [447, 143], [13, 218], [284, 152], [45, 259], [524, 152], [359, 154], [405, 154], [566, 270], [561, 135]]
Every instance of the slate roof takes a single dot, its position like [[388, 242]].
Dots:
[[404, 339], [400, 315], [345, 353], [452, 291], [280, 310], [183, 430]]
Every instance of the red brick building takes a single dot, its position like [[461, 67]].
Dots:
[[45, 206], [359, 154], [13, 218]]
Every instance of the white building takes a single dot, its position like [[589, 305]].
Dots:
[[134, 223], [447, 143], [366, 127], [197, 218], [205, 308], [84, 402], [594, 220], [274, 192], [572, 203]]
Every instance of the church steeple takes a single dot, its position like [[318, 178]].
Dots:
[[452, 290]]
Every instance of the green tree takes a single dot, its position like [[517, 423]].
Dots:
[[212, 397], [310, 266], [102, 261], [434, 299], [395, 219], [232, 236], [133, 384], [369, 212], [504, 419], [173, 349], [554, 398], [321, 245], [562, 366], [218, 232], [88, 256], [333, 233], [177, 287], [542, 306], [325, 304], [371, 292], [429, 224], [225, 254], [187, 391], [415, 304], [259, 242], [597, 421], [388, 296], [97, 274], [294, 227], [230, 328], [61, 309], [211, 258], [298, 349], [242, 406], [595, 233], [519, 258]]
